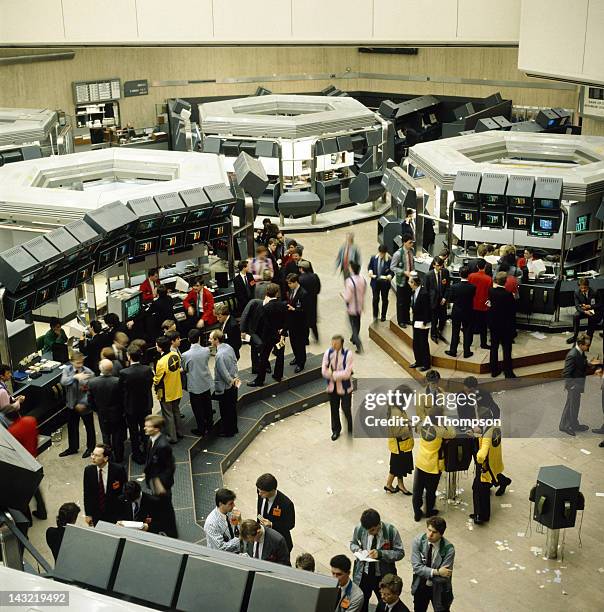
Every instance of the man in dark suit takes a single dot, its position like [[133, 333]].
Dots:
[[461, 295], [159, 471], [588, 306], [576, 368], [391, 587], [141, 507], [243, 283], [380, 274], [422, 316], [229, 327], [251, 323], [94, 342], [274, 328], [264, 543], [105, 398], [103, 483], [276, 509], [501, 317], [311, 283], [408, 225], [297, 323], [437, 283], [136, 382]]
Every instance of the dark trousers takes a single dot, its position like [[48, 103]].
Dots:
[[227, 402], [201, 405], [255, 350], [497, 338], [479, 325], [136, 429], [424, 481], [381, 291], [592, 323], [335, 401], [297, 338], [40, 504], [369, 584], [264, 355], [456, 325], [73, 429], [570, 414], [403, 304], [481, 495], [355, 325], [166, 515], [114, 434], [423, 597], [439, 318], [421, 348]]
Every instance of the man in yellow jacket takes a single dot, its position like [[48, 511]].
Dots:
[[168, 387]]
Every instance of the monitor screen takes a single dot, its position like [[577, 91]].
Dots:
[[85, 273], [466, 197], [197, 235], [105, 259], [66, 283], [222, 210], [52, 267], [45, 293], [146, 246], [73, 257], [548, 204], [519, 201], [196, 216], [148, 225], [174, 220], [493, 199], [545, 225], [582, 223], [132, 307], [122, 250], [492, 219], [18, 306], [518, 222], [220, 230], [171, 241]]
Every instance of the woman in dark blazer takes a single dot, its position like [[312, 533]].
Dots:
[[68, 515]]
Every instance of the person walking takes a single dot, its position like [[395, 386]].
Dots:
[[337, 370], [400, 445], [355, 287], [168, 387], [348, 253]]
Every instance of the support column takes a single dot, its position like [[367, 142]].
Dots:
[[551, 543]]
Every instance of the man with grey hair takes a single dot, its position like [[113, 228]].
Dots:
[[226, 384], [105, 398]]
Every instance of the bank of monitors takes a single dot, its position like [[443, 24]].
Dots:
[[547, 200], [49, 257], [16, 306], [148, 213], [88, 238], [519, 192], [492, 190], [112, 220], [18, 269], [199, 207], [67, 244], [173, 210], [222, 199], [107, 256]]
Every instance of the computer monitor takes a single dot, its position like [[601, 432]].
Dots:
[[519, 221], [222, 210], [145, 246], [172, 240], [132, 307], [466, 217], [45, 293], [220, 230], [66, 283], [85, 273], [60, 353], [122, 250], [196, 235], [16, 307], [492, 218], [105, 258]]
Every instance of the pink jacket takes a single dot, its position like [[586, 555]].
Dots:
[[354, 294], [333, 362]]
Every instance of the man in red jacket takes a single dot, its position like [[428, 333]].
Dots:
[[149, 286], [483, 282], [199, 304]]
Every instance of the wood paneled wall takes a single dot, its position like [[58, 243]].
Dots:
[[593, 127], [48, 84]]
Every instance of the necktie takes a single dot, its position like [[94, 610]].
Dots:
[[134, 510], [256, 548], [371, 567], [429, 556], [101, 492], [438, 281], [380, 267]]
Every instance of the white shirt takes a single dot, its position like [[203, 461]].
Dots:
[[535, 266], [105, 469], [153, 438], [136, 505], [258, 546], [267, 504]]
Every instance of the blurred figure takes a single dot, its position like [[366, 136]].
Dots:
[[348, 253], [311, 283], [55, 335], [355, 287]]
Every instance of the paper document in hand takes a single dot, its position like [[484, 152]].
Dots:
[[133, 524], [361, 555]]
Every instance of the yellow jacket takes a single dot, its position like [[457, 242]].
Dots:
[[404, 444], [167, 380], [430, 441], [489, 453]]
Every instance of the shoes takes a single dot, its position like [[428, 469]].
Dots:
[[467, 355], [40, 515], [580, 427], [276, 379], [432, 512], [198, 432], [383, 319], [87, 453], [359, 350], [424, 369], [402, 325], [451, 354], [255, 383], [68, 452], [389, 490], [334, 436], [571, 340], [413, 365], [434, 339], [567, 430], [495, 374], [511, 375], [485, 346], [598, 431], [418, 516], [292, 362], [601, 445], [298, 369], [477, 520], [405, 492], [503, 485]]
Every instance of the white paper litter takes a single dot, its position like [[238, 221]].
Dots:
[[520, 534], [329, 491], [473, 581], [541, 586], [558, 577], [380, 461], [538, 335], [585, 451], [506, 505], [601, 570], [599, 494]]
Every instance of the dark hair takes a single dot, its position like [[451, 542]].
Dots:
[[164, 343], [4, 369], [266, 221], [341, 562], [249, 528], [54, 322], [106, 448], [530, 250], [292, 278], [68, 514], [199, 281], [464, 272], [162, 290], [438, 523], [97, 326], [273, 290], [224, 496], [134, 352], [370, 518], [504, 266], [298, 251], [292, 243], [132, 490], [501, 277], [266, 482], [172, 335], [471, 382], [432, 376], [393, 583], [111, 319], [306, 562], [354, 266], [406, 237], [194, 335], [382, 248], [438, 261], [152, 272], [408, 211], [481, 264], [241, 264]]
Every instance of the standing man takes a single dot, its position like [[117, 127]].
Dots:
[[432, 559], [437, 282], [105, 398], [588, 306], [403, 265], [535, 266], [297, 324], [501, 317], [408, 225], [482, 281], [264, 543], [575, 371], [136, 382], [273, 254], [168, 387], [350, 598], [140, 507], [159, 472], [243, 283], [422, 317], [461, 295], [103, 484], [229, 327], [275, 510], [199, 305], [384, 547], [226, 384], [221, 526], [337, 370], [380, 275], [311, 283], [251, 324], [55, 335], [348, 253], [199, 383], [355, 287], [150, 285], [74, 380], [273, 333]]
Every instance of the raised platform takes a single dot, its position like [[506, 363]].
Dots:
[[532, 358]]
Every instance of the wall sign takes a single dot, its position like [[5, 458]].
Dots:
[[96, 91], [136, 88], [593, 102]]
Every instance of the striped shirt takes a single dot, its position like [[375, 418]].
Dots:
[[220, 534]]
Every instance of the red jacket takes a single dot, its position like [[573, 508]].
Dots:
[[207, 301], [147, 290], [25, 431], [483, 282]]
